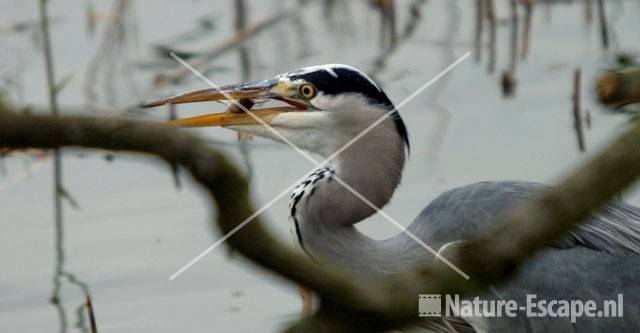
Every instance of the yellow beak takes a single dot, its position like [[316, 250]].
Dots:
[[240, 112], [232, 118]]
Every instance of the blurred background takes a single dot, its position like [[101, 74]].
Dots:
[[508, 112]]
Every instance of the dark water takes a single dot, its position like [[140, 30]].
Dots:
[[134, 229]]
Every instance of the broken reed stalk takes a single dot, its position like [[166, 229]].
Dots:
[[588, 12], [547, 11], [240, 20], [390, 35], [577, 111], [508, 80], [225, 46], [57, 169], [526, 31], [53, 104], [109, 47], [59, 191], [175, 169], [478, 32], [491, 19], [415, 17], [514, 36], [604, 30], [92, 317], [240, 23]]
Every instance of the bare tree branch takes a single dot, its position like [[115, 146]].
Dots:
[[619, 87], [351, 304]]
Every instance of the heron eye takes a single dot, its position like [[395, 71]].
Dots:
[[307, 90]]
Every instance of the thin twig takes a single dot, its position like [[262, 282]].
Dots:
[[57, 169], [508, 81], [70, 199], [109, 49], [588, 12], [415, 16], [92, 316], [577, 111], [388, 25], [604, 30], [478, 31], [442, 113], [379, 64], [491, 18], [240, 23], [514, 36], [526, 32], [175, 169]]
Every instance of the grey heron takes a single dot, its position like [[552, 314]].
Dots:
[[326, 107]]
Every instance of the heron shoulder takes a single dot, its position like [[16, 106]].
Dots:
[[461, 212]]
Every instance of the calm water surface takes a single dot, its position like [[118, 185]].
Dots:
[[134, 229]]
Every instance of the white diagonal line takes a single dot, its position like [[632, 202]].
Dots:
[[401, 227], [243, 108], [234, 230], [400, 105], [311, 159]]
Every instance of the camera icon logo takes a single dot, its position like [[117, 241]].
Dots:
[[430, 305]]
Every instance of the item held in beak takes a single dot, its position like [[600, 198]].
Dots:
[[234, 108]]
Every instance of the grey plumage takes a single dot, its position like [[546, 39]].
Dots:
[[595, 261], [335, 107]]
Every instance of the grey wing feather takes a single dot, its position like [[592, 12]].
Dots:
[[614, 229], [443, 325]]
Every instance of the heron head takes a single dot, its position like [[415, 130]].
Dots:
[[319, 108]]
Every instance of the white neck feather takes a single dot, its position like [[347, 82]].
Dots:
[[324, 211]]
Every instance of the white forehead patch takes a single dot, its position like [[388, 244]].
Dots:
[[330, 68], [326, 68]]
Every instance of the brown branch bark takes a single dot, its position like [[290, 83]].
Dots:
[[350, 304], [619, 87]]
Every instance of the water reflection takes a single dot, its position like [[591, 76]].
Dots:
[[388, 33], [448, 56], [109, 65], [60, 192]]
